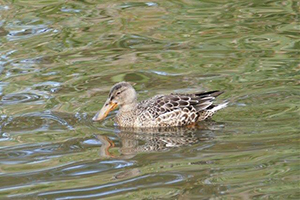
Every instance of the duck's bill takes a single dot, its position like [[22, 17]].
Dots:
[[107, 107]]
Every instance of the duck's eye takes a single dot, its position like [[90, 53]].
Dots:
[[118, 93]]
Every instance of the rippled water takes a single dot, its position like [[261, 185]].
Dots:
[[58, 60]]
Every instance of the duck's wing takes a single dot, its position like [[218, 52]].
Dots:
[[179, 109], [200, 101]]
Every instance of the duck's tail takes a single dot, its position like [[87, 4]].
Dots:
[[218, 107], [211, 110]]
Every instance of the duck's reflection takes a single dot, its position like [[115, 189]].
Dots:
[[137, 140]]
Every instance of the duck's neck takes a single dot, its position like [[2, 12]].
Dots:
[[128, 107]]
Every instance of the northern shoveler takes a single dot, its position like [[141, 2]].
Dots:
[[160, 110]]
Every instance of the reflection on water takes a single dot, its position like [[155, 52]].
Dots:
[[58, 60], [138, 140]]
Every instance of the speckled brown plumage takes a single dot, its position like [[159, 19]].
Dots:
[[163, 110]]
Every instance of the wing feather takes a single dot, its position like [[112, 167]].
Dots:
[[178, 109]]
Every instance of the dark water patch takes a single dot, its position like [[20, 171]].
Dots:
[[136, 42]]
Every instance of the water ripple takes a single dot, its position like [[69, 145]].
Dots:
[[137, 4], [39, 121], [70, 171], [137, 183], [51, 86], [26, 32], [16, 98]]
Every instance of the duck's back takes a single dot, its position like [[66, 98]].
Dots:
[[176, 109]]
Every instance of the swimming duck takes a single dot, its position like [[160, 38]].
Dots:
[[160, 110]]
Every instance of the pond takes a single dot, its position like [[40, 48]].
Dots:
[[59, 59]]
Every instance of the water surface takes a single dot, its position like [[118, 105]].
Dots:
[[58, 60]]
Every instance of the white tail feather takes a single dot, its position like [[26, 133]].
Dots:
[[218, 107]]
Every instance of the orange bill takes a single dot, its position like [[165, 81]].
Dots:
[[107, 107]]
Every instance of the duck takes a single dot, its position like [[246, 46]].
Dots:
[[159, 111]]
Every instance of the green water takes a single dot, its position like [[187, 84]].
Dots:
[[58, 60]]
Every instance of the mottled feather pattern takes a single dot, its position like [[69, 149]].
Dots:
[[174, 109]]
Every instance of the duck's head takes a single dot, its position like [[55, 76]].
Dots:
[[121, 94]]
